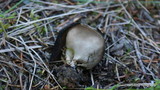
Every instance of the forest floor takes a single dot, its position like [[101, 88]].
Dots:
[[28, 30]]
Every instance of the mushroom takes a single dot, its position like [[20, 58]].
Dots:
[[84, 47]]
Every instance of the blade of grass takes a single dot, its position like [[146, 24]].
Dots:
[[15, 6]]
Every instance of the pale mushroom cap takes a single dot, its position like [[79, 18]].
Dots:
[[85, 47]]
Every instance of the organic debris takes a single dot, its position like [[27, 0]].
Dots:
[[28, 28]]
